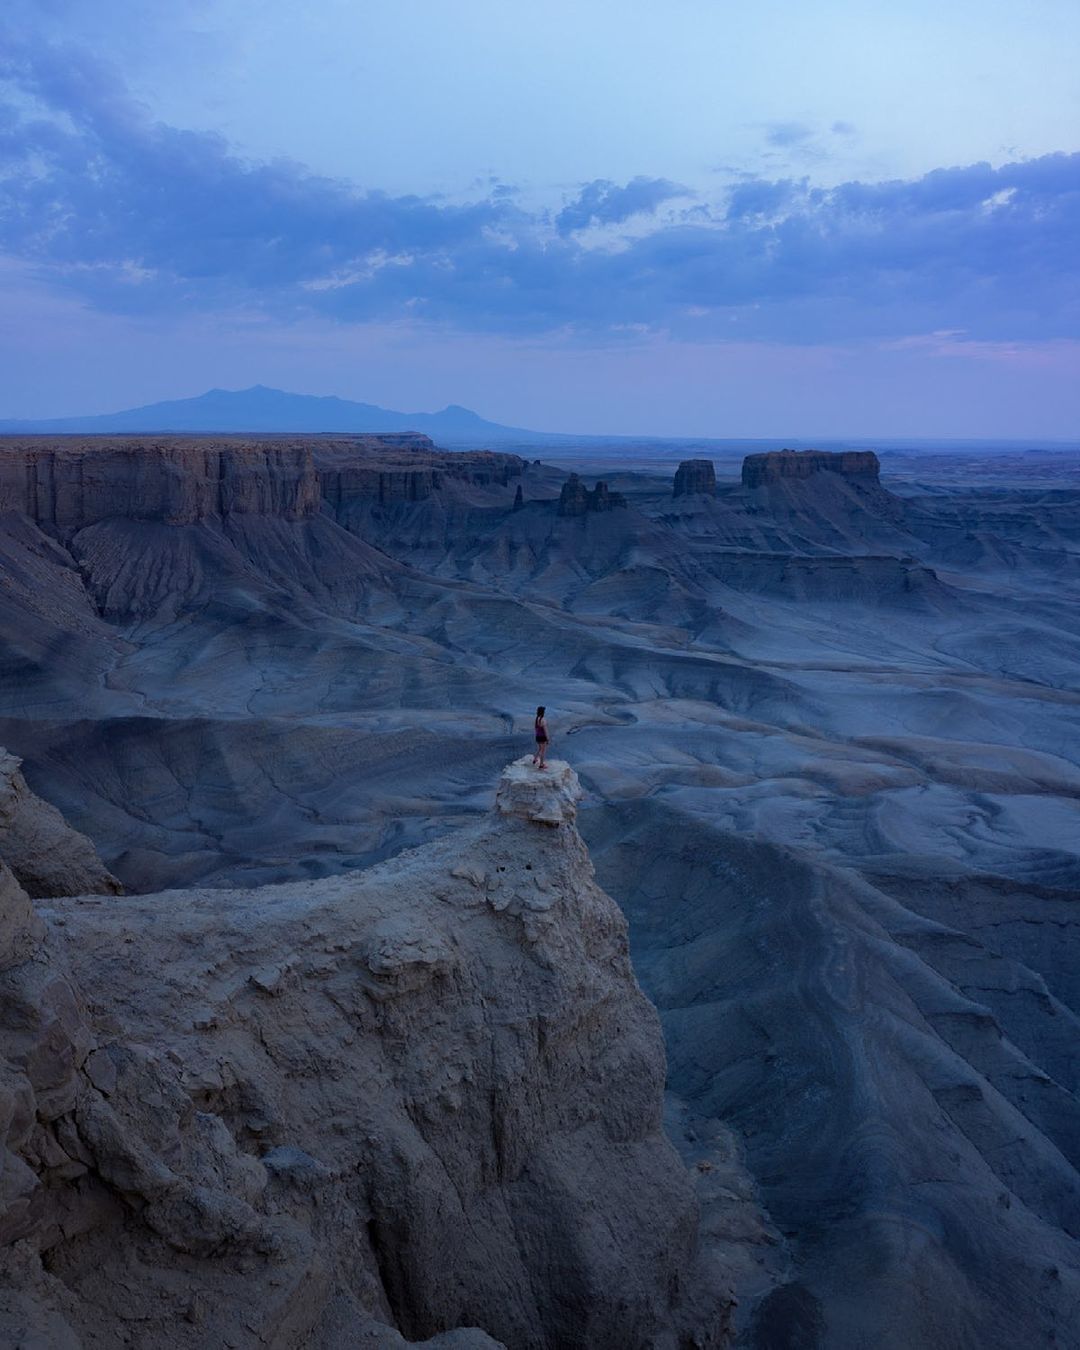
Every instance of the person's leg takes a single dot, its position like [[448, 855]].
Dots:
[[543, 754]]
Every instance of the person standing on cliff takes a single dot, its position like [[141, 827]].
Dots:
[[540, 728]]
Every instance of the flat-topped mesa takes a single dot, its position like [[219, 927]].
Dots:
[[777, 466], [71, 486], [576, 499], [695, 476], [400, 440], [352, 475], [547, 796]]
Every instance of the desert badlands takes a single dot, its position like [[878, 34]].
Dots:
[[327, 1021]]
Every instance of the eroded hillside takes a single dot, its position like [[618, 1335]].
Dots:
[[376, 1107], [827, 719]]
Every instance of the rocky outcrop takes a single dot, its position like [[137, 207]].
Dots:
[[69, 486], [576, 499], [604, 500], [350, 478], [337, 1113], [45, 854], [876, 582], [782, 465], [395, 440], [547, 796], [694, 476], [20, 927], [123, 530]]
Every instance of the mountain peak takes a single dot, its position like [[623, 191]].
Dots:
[[260, 408]]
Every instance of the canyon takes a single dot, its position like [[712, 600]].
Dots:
[[824, 711]]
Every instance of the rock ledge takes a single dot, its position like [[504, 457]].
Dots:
[[778, 465], [47, 856], [547, 796]]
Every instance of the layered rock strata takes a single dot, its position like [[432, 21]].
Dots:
[[348, 477], [68, 485], [392, 1104], [72, 486], [576, 499], [694, 476], [780, 465]]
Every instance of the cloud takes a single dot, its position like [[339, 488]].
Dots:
[[786, 134], [134, 215], [803, 142], [604, 203], [93, 188]]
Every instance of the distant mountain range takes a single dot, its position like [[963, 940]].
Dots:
[[260, 409]]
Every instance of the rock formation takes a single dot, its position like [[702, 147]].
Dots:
[[352, 475], [779, 465], [339, 1113], [875, 582], [45, 854], [824, 501], [70, 485], [576, 499], [830, 733], [902, 1077], [695, 475]]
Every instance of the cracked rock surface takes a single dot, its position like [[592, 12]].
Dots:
[[419, 1103]]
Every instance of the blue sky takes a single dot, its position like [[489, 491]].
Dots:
[[702, 218]]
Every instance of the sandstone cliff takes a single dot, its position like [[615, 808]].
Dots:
[[779, 465], [816, 499], [576, 499], [68, 485], [328, 1114], [695, 475], [349, 478]]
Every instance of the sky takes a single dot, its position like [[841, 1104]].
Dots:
[[846, 218]]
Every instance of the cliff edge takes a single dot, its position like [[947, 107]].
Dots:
[[777, 466], [46, 855], [398, 1103]]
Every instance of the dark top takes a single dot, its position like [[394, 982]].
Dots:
[[541, 730]]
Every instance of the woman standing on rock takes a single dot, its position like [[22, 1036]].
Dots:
[[540, 754]]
